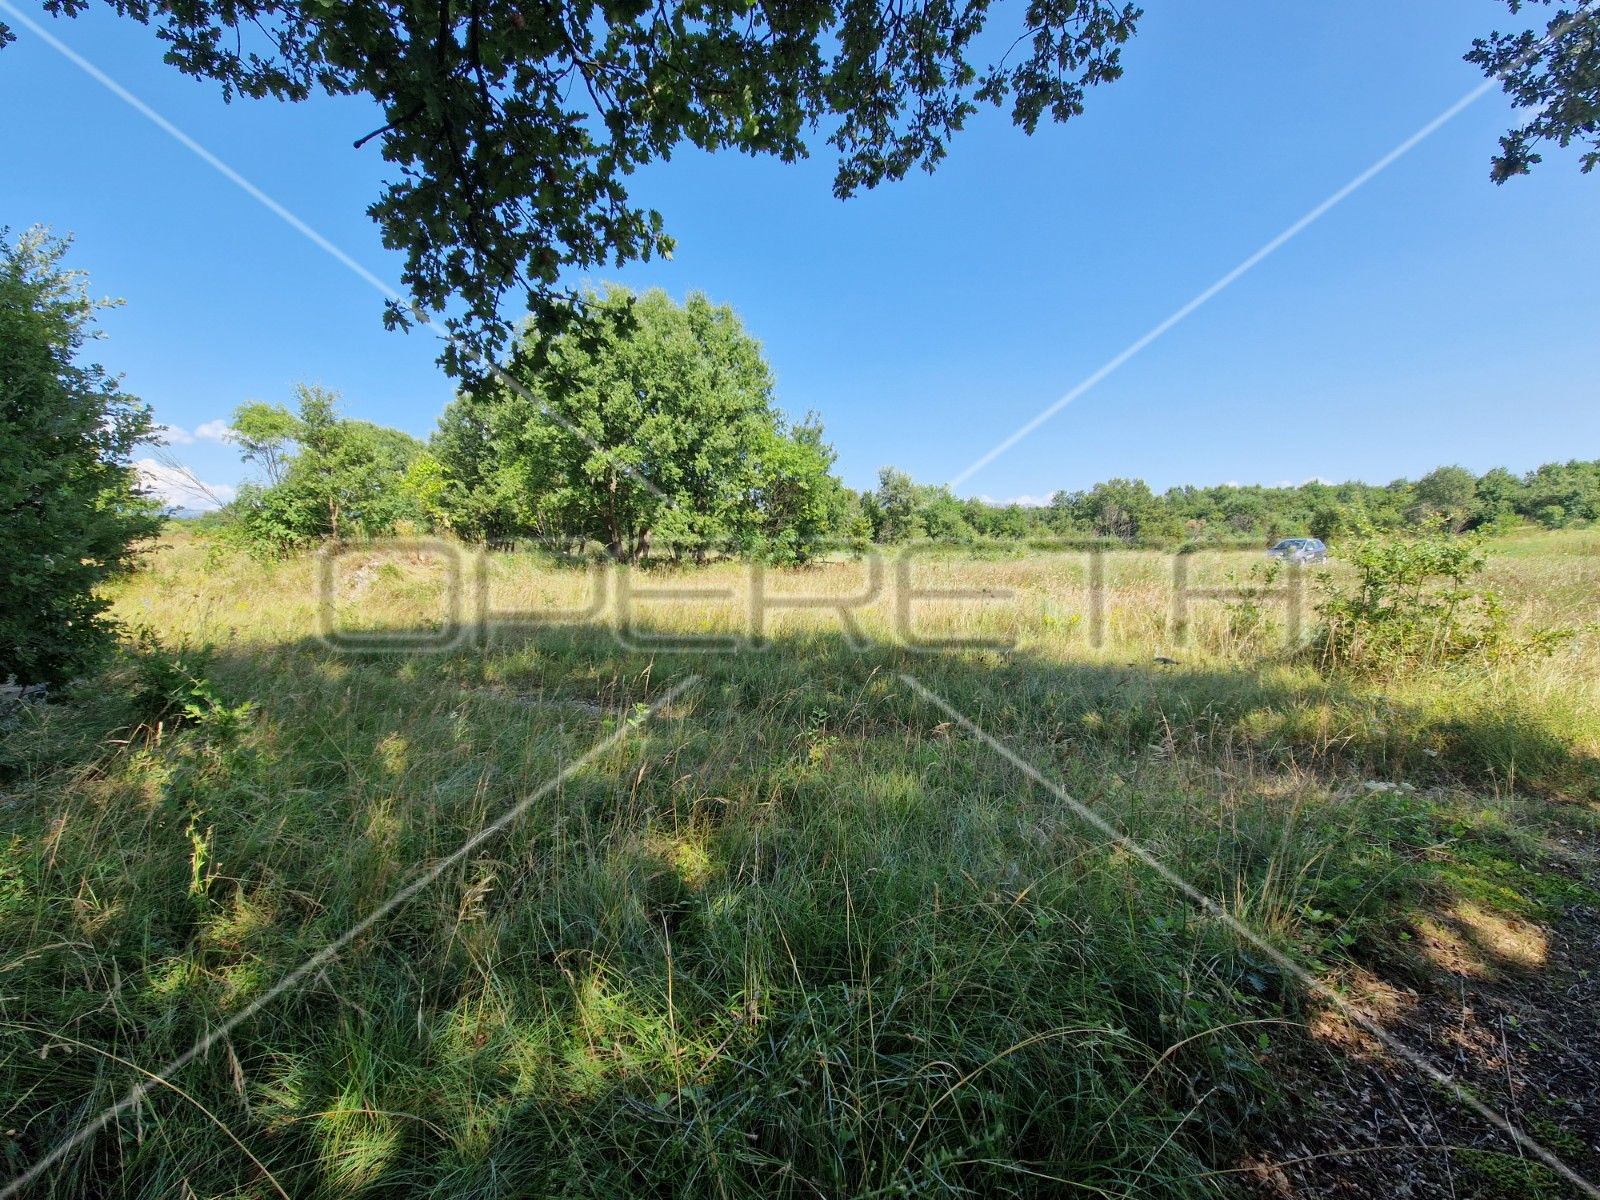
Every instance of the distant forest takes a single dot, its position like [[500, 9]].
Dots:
[[1127, 510], [654, 432], [352, 478]]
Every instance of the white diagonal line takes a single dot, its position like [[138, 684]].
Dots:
[[387, 290], [325, 955], [1138, 346], [1222, 284], [1116, 837], [178, 135]]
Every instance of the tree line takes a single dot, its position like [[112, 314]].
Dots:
[[647, 429], [1129, 512], [651, 431]]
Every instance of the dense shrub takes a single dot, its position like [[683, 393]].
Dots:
[[70, 505], [1413, 604], [171, 685]]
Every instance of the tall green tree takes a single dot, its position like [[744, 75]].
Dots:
[[265, 435], [474, 498], [896, 508], [1449, 493], [1497, 496], [70, 504], [802, 505], [1118, 508], [346, 478], [651, 427], [941, 514]]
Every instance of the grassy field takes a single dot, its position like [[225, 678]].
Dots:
[[796, 932]]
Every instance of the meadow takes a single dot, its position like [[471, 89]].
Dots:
[[764, 919]]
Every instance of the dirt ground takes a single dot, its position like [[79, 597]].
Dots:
[[1510, 1009]]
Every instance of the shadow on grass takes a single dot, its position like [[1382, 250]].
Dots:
[[798, 935]]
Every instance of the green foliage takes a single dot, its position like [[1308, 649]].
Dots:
[[1413, 605], [1449, 495], [264, 434], [1555, 74], [514, 133], [894, 511], [1126, 512], [70, 504], [1496, 496], [475, 501], [801, 505], [651, 431], [346, 478], [170, 686], [903, 510], [424, 487], [1117, 508]]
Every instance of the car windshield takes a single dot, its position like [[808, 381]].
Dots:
[[1289, 544]]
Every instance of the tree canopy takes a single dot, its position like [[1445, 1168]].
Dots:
[[264, 434], [513, 129], [654, 424], [327, 476]]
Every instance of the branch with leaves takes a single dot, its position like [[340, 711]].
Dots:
[[513, 128]]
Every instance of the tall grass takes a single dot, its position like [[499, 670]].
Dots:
[[796, 936]]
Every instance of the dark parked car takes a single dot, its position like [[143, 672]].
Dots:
[[1300, 550]]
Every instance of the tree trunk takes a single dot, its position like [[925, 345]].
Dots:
[[614, 543]]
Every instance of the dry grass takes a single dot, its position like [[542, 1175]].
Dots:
[[797, 935]]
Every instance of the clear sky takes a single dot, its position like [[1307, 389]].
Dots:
[[1429, 318]]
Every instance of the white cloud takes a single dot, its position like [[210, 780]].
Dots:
[[1025, 501], [177, 435], [1315, 479], [176, 485], [174, 435], [214, 431]]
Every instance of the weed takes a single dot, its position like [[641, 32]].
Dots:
[[1413, 605], [170, 685], [1502, 1176]]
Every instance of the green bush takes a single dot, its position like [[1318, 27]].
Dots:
[[1412, 605], [170, 685], [1552, 516], [69, 500], [329, 477]]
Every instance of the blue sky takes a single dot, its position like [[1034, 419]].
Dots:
[[1430, 318]]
